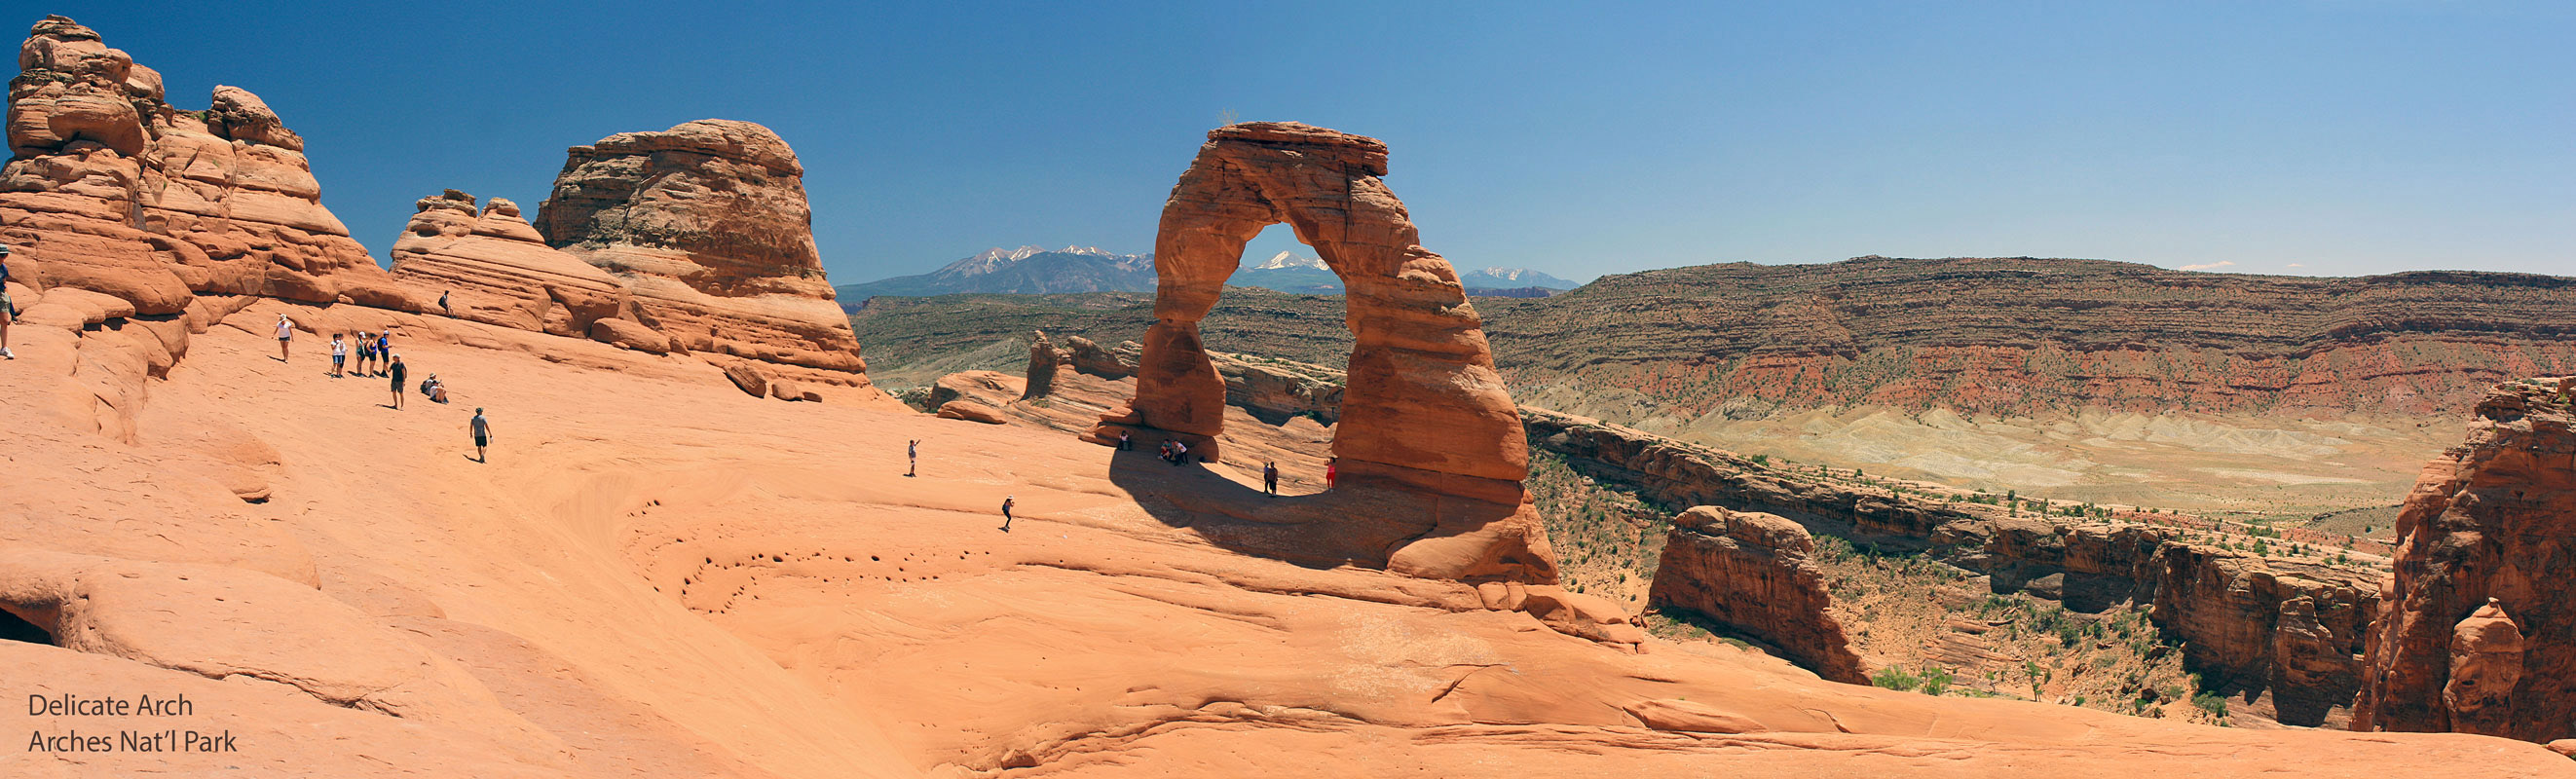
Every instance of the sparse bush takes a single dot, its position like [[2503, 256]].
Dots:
[[2211, 702], [1936, 680], [1895, 677]]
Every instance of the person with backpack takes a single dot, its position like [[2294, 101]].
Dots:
[[1007, 502], [384, 351]]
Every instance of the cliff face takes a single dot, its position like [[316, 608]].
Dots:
[[2293, 630], [2020, 335], [495, 269], [113, 190], [1752, 572], [2479, 635]]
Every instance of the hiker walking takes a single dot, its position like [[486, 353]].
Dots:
[[398, 371], [285, 335], [442, 302], [8, 308], [1270, 477], [339, 355], [1007, 502], [482, 431], [912, 457]]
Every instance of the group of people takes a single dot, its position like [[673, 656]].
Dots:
[[1175, 452], [376, 348]]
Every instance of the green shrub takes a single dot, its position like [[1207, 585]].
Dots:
[[1895, 677], [1936, 680], [2211, 702]]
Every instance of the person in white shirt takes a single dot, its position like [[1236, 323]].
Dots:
[[339, 355], [285, 335]]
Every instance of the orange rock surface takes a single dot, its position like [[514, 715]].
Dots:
[[113, 190], [706, 223], [657, 575], [2478, 632], [1423, 407], [494, 268]]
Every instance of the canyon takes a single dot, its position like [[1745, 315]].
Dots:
[[664, 567]]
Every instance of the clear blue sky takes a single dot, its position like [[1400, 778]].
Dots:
[[2339, 138]]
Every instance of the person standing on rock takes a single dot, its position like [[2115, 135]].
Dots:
[[442, 303], [1332, 471], [396, 369], [1007, 502], [339, 355], [1270, 477], [1125, 445], [482, 435], [8, 308], [384, 351], [285, 335], [912, 457]]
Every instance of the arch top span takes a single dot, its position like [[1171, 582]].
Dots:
[[1422, 408]]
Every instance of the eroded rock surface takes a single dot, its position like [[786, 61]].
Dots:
[[494, 268], [1423, 410], [2479, 632], [1752, 572], [114, 190], [706, 223]]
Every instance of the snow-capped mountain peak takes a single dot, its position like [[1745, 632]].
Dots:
[[1290, 260]]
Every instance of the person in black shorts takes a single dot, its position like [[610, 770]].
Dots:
[[1007, 502], [482, 435], [396, 369]]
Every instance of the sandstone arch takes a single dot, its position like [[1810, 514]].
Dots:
[[1424, 410]]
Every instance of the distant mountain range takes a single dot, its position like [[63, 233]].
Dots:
[[1031, 270]]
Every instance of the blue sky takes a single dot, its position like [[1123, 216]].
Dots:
[[2331, 138]]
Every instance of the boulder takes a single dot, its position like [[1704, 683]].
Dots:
[[752, 380], [631, 335], [1753, 573], [970, 411]]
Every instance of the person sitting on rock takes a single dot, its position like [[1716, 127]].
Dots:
[[1180, 453], [435, 389]]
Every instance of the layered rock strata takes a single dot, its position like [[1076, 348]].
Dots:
[[114, 190], [492, 267], [707, 226], [2022, 336], [2290, 629], [2479, 632], [1752, 572], [1423, 409]]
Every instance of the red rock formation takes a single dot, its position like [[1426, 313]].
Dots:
[[114, 190], [1424, 409], [2479, 632], [1044, 359], [496, 269], [1752, 572], [706, 224]]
